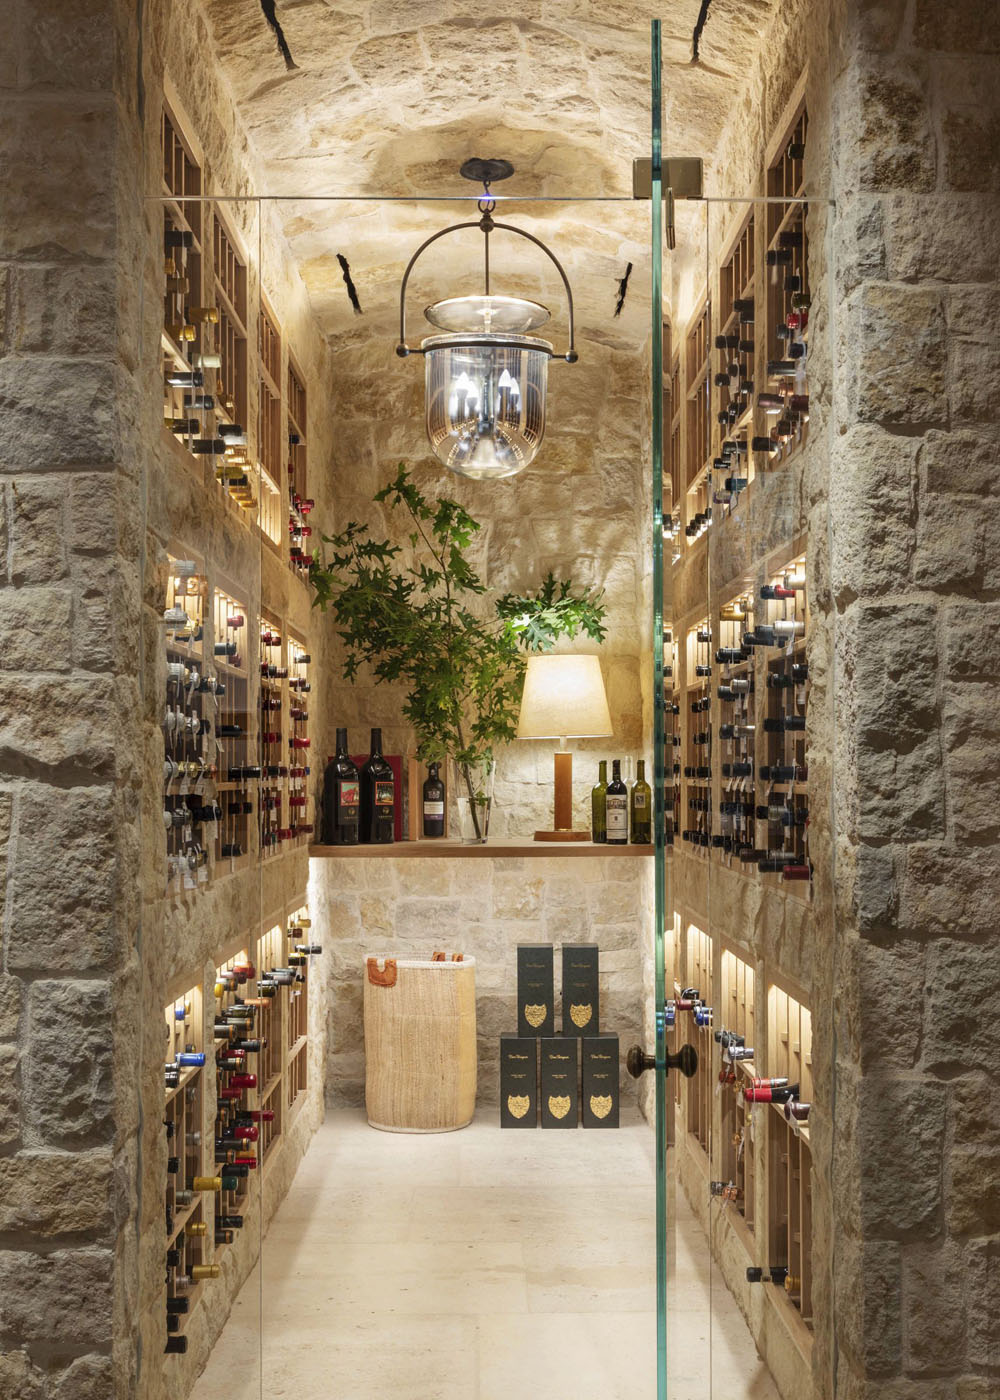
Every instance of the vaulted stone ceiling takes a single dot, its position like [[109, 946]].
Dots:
[[390, 96]]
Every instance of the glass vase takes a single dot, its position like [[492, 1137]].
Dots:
[[473, 788]]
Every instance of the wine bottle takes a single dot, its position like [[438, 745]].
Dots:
[[617, 807], [341, 797], [378, 796], [433, 801], [641, 807], [599, 805]]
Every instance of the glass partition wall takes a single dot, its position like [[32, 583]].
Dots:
[[314, 1255]]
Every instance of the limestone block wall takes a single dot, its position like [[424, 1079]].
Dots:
[[483, 908], [909, 618], [71, 753]]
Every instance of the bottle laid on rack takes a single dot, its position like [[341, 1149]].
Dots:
[[341, 797], [641, 807], [616, 807], [433, 801], [378, 796], [599, 805]]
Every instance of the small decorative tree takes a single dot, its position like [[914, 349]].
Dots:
[[414, 622]]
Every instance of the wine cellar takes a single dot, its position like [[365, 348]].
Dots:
[[499, 597]]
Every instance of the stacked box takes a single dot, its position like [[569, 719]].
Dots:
[[535, 990], [518, 1081]]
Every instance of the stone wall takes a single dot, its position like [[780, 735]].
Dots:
[[71, 756], [896, 950], [483, 908], [909, 632]]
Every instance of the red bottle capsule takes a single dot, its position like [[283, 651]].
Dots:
[[243, 1081]]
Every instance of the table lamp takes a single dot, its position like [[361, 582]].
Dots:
[[564, 699]]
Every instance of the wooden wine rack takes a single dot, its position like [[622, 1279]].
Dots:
[[736, 1012], [789, 1054], [238, 793], [732, 395], [787, 696], [300, 760], [189, 768], [698, 974], [208, 335], [214, 1101], [271, 749], [299, 501], [188, 1243], [696, 814], [736, 694]]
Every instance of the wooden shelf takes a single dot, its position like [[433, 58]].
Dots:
[[498, 849]]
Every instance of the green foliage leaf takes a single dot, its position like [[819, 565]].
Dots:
[[412, 622]]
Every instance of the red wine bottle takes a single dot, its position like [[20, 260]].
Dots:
[[433, 800], [616, 807], [341, 797], [378, 796]]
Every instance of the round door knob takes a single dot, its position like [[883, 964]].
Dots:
[[637, 1061]]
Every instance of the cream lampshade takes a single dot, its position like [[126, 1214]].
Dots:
[[564, 698]]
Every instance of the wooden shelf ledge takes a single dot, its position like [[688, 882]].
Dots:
[[498, 849]]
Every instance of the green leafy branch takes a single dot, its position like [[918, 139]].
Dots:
[[411, 620]]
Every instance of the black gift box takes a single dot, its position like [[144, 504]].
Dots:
[[580, 990], [535, 995], [560, 1081], [518, 1081], [600, 1081]]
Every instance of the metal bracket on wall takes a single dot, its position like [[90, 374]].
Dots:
[[684, 175]]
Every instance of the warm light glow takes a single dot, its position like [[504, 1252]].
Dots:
[[564, 698]]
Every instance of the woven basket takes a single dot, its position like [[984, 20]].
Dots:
[[420, 1044]]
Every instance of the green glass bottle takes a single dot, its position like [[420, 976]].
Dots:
[[641, 807], [599, 804]]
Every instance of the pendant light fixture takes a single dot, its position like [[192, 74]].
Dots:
[[485, 375]]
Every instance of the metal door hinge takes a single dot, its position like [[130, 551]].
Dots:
[[682, 174]]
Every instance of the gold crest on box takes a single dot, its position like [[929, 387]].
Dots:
[[559, 1105], [535, 1015], [518, 1104], [600, 1105], [581, 1015]]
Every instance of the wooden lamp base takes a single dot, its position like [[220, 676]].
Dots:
[[563, 804]]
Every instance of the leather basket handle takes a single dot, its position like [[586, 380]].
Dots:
[[385, 977]]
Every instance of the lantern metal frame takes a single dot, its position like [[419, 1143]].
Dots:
[[487, 171]]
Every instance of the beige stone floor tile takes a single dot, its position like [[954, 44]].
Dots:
[[480, 1265]]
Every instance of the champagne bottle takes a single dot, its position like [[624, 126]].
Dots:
[[641, 807], [599, 805], [378, 796], [341, 797], [433, 799], [617, 807]]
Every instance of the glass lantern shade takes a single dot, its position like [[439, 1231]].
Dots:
[[485, 401]]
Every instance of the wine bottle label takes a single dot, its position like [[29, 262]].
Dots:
[[348, 799], [433, 809], [639, 801], [384, 793], [617, 814]]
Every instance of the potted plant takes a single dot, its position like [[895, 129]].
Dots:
[[412, 616]]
